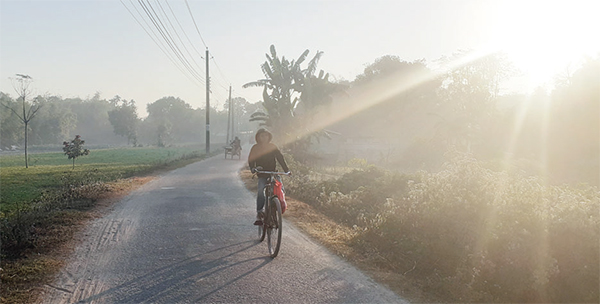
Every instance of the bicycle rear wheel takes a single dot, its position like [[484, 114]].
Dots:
[[274, 227]]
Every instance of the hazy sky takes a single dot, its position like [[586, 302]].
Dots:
[[77, 48]]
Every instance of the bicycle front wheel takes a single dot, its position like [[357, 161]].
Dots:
[[274, 227], [262, 231]]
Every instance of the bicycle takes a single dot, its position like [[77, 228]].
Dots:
[[272, 219]]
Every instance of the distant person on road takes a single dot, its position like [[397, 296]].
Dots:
[[236, 144], [264, 154]]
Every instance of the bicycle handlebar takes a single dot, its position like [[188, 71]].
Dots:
[[273, 172]]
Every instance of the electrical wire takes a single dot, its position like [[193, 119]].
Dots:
[[177, 35], [196, 25], [168, 42], [161, 47], [220, 72], [199, 34], [167, 37], [184, 33]]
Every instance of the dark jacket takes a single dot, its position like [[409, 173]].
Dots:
[[264, 155]]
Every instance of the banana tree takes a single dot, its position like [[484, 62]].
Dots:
[[281, 89], [291, 96]]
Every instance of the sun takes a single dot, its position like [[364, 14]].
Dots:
[[544, 39]]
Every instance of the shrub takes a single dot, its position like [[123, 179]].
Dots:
[[503, 237], [359, 178], [22, 227], [471, 234]]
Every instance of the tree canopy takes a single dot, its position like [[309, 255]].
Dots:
[[124, 118]]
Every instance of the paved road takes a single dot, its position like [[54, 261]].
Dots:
[[188, 237]]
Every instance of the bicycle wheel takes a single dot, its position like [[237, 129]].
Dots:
[[274, 228]]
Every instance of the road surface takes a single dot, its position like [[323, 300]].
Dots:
[[188, 237]]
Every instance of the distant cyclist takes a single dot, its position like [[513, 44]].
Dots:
[[236, 144], [264, 154]]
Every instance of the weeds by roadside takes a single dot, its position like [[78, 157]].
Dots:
[[467, 233]]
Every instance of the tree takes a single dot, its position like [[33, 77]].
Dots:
[[574, 126], [283, 80], [171, 118], [241, 113], [124, 119], [291, 95], [470, 89], [74, 148], [54, 123], [385, 67], [28, 111], [92, 118], [10, 128]]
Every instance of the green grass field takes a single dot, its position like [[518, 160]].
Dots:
[[20, 185]]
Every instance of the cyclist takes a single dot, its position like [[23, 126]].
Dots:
[[236, 143], [264, 154]]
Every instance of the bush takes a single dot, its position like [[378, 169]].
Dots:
[[471, 234], [503, 237], [21, 228], [359, 178]]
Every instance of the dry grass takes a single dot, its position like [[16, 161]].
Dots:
[[339, 239], [23, 278]]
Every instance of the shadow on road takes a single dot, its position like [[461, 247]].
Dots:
[[171, 283]]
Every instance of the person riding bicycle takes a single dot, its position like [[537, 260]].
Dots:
[[264, 154], [236, 144]]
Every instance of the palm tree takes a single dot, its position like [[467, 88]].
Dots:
[[282, 84]]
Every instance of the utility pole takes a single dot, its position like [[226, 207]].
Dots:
[[207, 107], [229, 117], [231, 111]]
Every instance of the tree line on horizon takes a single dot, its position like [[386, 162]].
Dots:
[[422, 112], [114, 122]]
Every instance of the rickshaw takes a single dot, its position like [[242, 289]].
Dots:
[[233, 150]]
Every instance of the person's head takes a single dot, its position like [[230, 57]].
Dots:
[[263, 136]]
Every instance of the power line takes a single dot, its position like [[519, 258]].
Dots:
[[199, 34], [197, 30], [167, 37], [184, 33], [167, 30], [152, 19], [154, 40], [176, 34], [221, 72]]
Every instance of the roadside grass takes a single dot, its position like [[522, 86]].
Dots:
[[465, 234], [20, 185], [45, 205]]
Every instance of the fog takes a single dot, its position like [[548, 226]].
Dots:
[[398, 114]]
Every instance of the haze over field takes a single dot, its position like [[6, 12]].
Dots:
[[399, 82], [78, 48]]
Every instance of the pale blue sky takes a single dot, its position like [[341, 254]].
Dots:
[[75, 48]]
